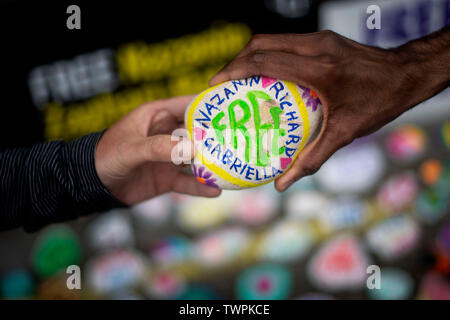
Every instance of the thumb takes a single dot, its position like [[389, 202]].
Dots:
[[310, 159], [162, 148]]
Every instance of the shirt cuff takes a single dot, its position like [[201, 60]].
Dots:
[[90, 193]]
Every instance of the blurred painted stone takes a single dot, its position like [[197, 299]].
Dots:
[[171, 250], [431, 171], [154, 212], [199, 292], [55, 288], [56, 248], [16, 284], [221, 246], [395, 284], [196, 213], [398, 192], [264, 282], [315, 296], [443, 238], [344, 212], [353, 169], [434, 287], [165, 285], [340, 264], [406, 143], [394, 238], [432, 203], [114, 271], [111, 230], [306, 205], [445, 134], [288, 240], [256, 206]]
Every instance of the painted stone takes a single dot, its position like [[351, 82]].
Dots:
[[114, 271], [445, 134], [221, 246], [443, 239], [432, 203], [165, 285], [110, 230], [431, 171], [199, 292], [286, 241], [406, 143], [56, 248], [198, 214], [306, 205], [315, 296], [264, 282], [434, 287], [398, 192], [55, 288], [256, 206], [154, 212], [171, 250], [344, 212], [17, 284], [354, 169], [396, 284], [339, 265], [394, 238], [248, 132]]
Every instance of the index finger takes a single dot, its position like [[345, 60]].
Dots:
[[279, 65], [302, 44], [177, 106]]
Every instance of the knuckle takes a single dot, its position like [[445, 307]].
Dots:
[[153, 149], [330, 34], [325, 34], [329, 68], [331, 40], [328, 60], [256, 41], [310, 168], [341, 135], [258, 59], [346, 138], [147, 150]]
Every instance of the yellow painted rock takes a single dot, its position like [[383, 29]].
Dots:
[[249, 132]]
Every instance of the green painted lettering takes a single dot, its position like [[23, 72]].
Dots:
[[239, 125]]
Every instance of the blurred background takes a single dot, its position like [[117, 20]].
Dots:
[[383, 200]]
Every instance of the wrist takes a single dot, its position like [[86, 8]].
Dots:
[[422, 75], [426, 64], [90, 193]]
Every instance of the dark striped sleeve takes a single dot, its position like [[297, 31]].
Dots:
[[51, 182]]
